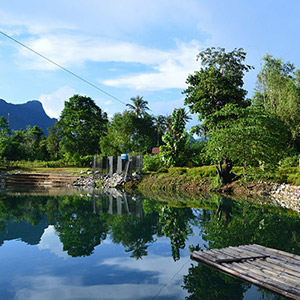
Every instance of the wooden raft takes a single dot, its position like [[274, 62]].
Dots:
[[268, 268]]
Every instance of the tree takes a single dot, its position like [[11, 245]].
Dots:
[[128, 132], [53, 141], [175, 139], [278, 91], [4, 126], [218, 83], [160, 125], [82, 125], [139, 106], [248, 136]]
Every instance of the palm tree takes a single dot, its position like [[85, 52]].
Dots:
[[139, 106]]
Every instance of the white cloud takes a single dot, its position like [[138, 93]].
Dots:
[[51, 241], [69, 50], [170, 67], [170, 71], [54, 103]]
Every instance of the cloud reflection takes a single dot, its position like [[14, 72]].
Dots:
[[50, 240]]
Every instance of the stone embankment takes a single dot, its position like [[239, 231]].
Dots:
[[105, 181], [286, 195]]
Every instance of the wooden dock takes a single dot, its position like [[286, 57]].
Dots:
[[272, 269]]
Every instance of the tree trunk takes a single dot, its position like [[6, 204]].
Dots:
[[224, 171]]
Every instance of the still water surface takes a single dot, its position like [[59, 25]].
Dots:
[[103, 246]]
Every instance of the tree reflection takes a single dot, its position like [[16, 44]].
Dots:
[[175, 225], [239, 223], [79, 228], [134, 233], [203, 282]]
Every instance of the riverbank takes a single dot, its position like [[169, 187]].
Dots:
[[195, 181], [280, 194]]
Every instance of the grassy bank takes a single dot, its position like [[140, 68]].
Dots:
[[204, 179]]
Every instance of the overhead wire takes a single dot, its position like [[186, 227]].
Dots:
[[61, 67]]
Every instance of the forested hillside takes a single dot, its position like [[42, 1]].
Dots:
[[21, 115]]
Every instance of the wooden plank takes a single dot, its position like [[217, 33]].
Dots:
[[281, 257], [250, 279], [264, 281], [284, 278], [269, 262], [289, 255], [268, 268]]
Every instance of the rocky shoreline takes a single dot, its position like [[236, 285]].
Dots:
[[105, 181]]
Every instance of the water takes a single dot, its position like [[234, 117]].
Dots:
[[101, 246]]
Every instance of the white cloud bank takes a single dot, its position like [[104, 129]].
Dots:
[[170, 67], [53, 103]]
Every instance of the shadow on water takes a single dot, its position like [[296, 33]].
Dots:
[[84, 221]]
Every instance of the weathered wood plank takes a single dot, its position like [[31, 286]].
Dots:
[[280, 257], [283, 253], [269, 262], [268, 268]]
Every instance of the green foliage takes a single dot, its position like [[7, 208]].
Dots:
[[248, 136], [53, 142], [176, 140], [82, 124], [138, 106], [278, 91], [203, 172], [177, 171], [152, 162], [197, 156], [290, 161], [128, 132], [218, 83], [160, 123]]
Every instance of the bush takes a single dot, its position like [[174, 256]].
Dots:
[[86, 161], [204, 171], [152, 162], [291, 161], [177, 171], [163, 170]]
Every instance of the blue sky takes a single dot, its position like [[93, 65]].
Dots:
[[133, 47]]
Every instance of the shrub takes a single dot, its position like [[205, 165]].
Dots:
[[163, 170], [204, 171], [291, 161], [152, 162], [177, 171]]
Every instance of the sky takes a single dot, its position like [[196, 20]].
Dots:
[[129, 48]]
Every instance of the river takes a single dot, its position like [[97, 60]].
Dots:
[[96, 245]]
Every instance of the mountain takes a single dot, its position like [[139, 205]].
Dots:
[[30, 113]]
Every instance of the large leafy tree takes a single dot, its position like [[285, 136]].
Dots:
[[82, 125], [278, 91], [138, 106], [218, 82], [248, 136], [128, 132]]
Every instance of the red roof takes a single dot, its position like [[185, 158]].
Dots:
[[155, 150]]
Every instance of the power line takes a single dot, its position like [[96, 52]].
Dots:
[[61, 67]]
